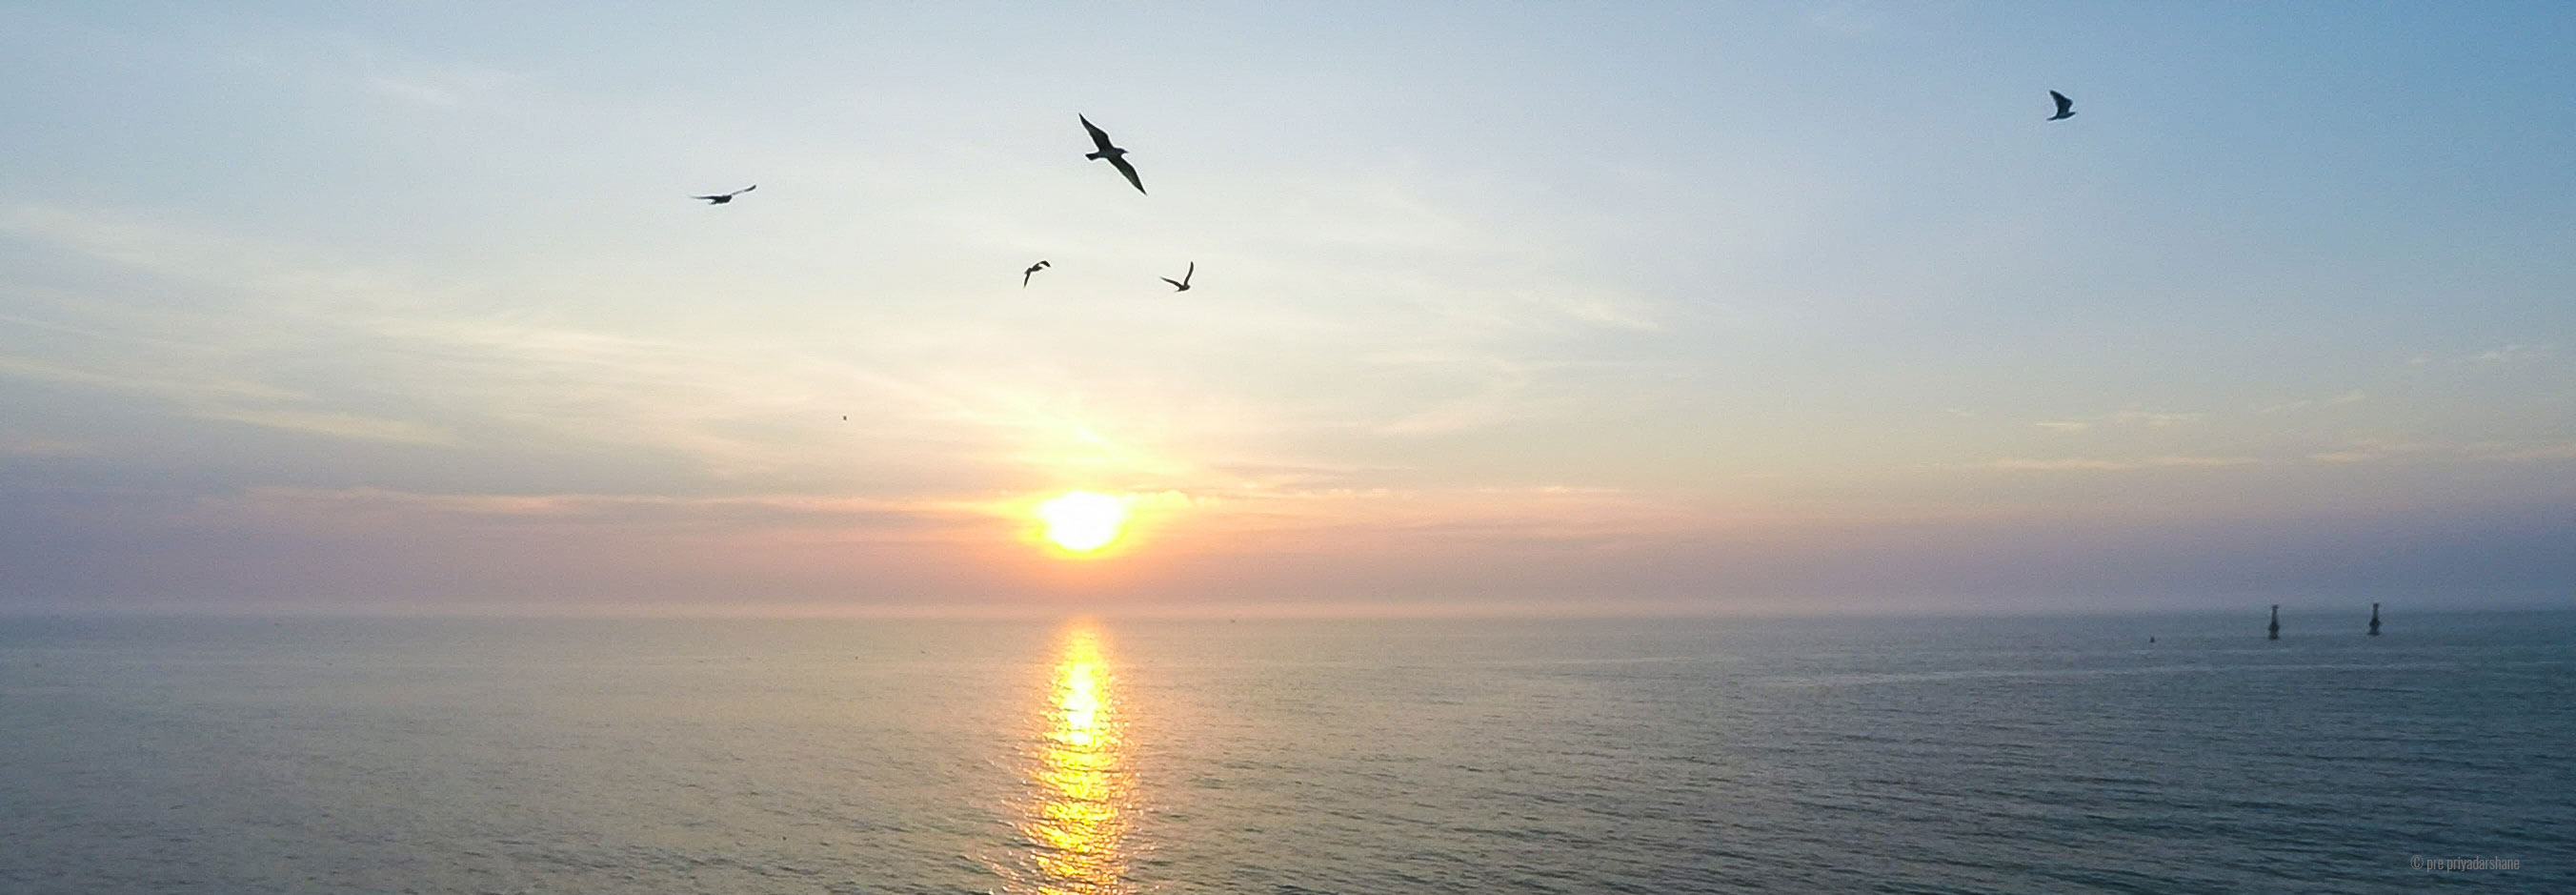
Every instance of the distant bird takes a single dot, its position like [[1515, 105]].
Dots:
[[1183, 284], [727, 197], [1117, 157], [1031, 272], [2065, 107]]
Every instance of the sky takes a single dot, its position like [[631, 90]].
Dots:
[[1779, 307]]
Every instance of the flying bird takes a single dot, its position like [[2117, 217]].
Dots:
[[2065, 107], [726, 197], [1032, 271], [1117, 157], [1183, 284]]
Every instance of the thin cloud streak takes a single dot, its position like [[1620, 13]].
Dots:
[[2087, 464], [2125, 419]]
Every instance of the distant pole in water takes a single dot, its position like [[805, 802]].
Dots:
[[2276, 621], [2374, 619]]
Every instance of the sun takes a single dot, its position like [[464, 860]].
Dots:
[[1083, 521]]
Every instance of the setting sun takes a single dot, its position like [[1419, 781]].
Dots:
[[1083, 521]]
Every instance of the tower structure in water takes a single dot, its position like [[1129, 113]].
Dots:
[[2276, 622], [2374, 619]]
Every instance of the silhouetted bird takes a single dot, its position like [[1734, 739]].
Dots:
[[2065, 107], [727, 197], [1117, 157], [1031, 272], [1183, 284]]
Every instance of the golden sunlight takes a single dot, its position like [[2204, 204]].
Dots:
[[1076, 819], [1083, 521]]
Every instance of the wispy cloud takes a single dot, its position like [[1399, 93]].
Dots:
[[263, 301], [235, 400], [182, 390], [2514, 354], [2096, 464], [745, 405], [2355, 396], [2121, 419], [332, 425], [2502, 354], [639, 512], [256, 277], [1448, 243], [1370, 519], [1493, 402], [2524, 450], [2500, 451], [1366, 519]]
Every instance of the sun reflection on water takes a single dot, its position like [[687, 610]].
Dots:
[[1078, 810]]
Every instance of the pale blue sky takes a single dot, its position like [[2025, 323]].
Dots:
[[1771, 307]]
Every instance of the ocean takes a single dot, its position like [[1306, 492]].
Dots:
[[1110, 755]]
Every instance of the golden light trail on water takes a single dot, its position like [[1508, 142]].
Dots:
[[1077, 817]]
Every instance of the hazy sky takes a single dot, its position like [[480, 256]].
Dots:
[[1765, 307]]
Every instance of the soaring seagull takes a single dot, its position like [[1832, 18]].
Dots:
[[1031, 272], [2065, 107], [727, 197], [1183, 284], [1117, 157]]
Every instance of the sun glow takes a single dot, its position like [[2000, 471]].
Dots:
[[1083, 521]]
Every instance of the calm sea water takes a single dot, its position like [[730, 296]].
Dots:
[[1922, 755]]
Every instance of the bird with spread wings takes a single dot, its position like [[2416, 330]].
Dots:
[[1117, 157]]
